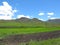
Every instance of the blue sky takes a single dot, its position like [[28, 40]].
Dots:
[[41, 9]]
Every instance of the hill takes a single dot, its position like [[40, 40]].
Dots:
[[26, 22], [54, 21]]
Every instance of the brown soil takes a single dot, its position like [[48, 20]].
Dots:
[[15, 39]]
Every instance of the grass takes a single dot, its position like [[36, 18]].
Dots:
[[24, 29], [9, 31], [55, 41]]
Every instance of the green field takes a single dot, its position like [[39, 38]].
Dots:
[[13, 31], [17, 27], [10, 31], [55, 41]]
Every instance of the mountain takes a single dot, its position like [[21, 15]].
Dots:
[[30, 22], [24, 19], [26, 22], [54, 21]]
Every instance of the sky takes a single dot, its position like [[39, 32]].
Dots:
[[41, 9]]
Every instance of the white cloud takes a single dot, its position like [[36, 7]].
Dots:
[[19, 16], [48, 16], [52, 18], [50, 13], [6, 11], [41, 19], [14, 11], [41, 14]]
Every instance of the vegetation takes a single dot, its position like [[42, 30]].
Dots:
[[55, 41], [10, 31], [25, 26]]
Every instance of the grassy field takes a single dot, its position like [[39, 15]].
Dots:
[[9, 31], [55, 41], [13, 28]]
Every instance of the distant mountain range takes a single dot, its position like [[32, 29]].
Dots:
[[23, 22], [24, 19], [54, 20]]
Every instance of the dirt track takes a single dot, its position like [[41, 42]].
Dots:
[[14, 39]]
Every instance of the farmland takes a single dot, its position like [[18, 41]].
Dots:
[[10, 31], [27, 26], [32, 37], [55, 41]]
